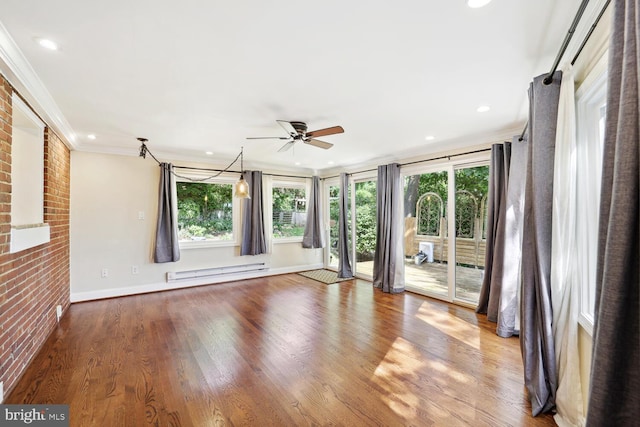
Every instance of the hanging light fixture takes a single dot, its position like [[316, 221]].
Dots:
[[242, 187]]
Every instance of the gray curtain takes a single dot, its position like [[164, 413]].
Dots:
[[615, 364], [344, 265], [166, 247], [489, 301], [388, 261], [536, 337], [508, 312], [253, 241], [312, 237]]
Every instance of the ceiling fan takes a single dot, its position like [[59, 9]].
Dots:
[[298, 132]]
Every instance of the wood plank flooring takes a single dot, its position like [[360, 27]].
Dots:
[[279, 351]]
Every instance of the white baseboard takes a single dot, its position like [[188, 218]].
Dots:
[[202, 281]]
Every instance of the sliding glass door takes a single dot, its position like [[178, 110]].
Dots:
[[425, 226], [445, 217], [365, 226], [332, 193], [361, 225], [471, 185]]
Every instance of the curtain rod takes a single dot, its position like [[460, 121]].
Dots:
[[420, 161], [232, 171], [144, 150], [547, 80], [591, 30], [549, 77]]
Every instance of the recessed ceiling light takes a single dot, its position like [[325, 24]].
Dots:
[[474, 4], [330, 162], [209, 153], [483, 109], [297, 163], [91, 136], [48, 44], [430, 138]]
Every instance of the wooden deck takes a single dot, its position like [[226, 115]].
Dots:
[[431, 278], [279, 351]]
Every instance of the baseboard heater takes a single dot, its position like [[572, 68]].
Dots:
[[173, 276]]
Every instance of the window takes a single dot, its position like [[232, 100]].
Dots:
[[289, 210], [591, 112], [27, 177], [205, 211]]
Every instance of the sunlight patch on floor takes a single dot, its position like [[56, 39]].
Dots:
[[399, 367], [450, 325]]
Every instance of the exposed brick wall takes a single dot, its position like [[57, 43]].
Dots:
[[32, 282]]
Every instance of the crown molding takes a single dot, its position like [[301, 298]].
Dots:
[[21, 75]]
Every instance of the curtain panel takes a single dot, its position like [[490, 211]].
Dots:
[[388, 261], [166, 247], [510, 294], [615, 368], [253, 240], [566, 257], [489, 299], [344, 265], [536, 337], [312, 237]]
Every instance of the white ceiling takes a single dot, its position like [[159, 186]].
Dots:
[[196, 75]]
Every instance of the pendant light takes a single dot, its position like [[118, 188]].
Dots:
[[242, 187]]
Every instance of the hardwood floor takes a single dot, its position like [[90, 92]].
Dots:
[[282, 351]]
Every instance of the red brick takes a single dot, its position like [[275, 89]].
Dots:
[[34, 281]]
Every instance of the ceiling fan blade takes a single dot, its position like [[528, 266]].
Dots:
[[286, 146], [324, 132], [318, 143], [268, 137], [287, 127]]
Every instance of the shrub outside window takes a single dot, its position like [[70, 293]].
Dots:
[[289, 210], [205, 211]]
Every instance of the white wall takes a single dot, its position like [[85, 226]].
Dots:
[[107, 194]]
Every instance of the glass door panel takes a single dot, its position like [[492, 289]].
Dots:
[[471, 190], [365, 211], [334, 211], [425, 226]]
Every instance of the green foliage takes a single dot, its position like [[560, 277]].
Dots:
[[288, 199], [471, 186], [366, 199], [286, 203], [204, 211]]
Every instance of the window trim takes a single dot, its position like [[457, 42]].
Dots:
[[235, 213], [589, 96]]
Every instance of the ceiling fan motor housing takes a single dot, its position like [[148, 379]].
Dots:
[[300, 127]]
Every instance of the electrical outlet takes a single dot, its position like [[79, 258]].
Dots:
[[105, 273], [141, 215], [134, 269], [58, 312]]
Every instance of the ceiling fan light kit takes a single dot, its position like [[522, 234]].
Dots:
[[298, 132]]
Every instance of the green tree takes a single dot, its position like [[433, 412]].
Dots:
[[366, 200], [204, 210], [472, 181]]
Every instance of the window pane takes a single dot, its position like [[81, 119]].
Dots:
[[289, 212], [425, 238], [472, 186], [334, 217], [204, 211], [366, 201]]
